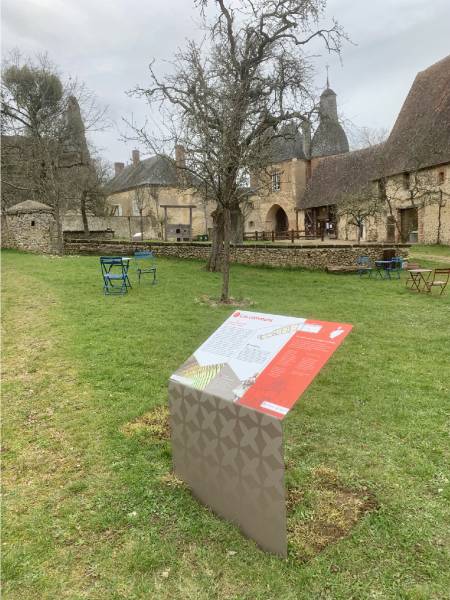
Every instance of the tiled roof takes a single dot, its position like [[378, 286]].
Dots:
[[156, 170], [329, 139], [333, 176], [421, 134], [287, 144]]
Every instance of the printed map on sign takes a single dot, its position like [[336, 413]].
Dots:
[[262, 361]]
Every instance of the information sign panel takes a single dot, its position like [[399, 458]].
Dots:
[[227, 404]]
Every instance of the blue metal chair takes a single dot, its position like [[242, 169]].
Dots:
[[364, 266], [396, 266], [115, 275], [145, 263]]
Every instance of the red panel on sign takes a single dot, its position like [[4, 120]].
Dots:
[[286, 377]]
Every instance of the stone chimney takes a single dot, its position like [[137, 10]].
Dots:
[[136, 158], [118, 168], [180, 156]]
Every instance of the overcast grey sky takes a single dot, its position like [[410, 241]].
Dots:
[[109, 43]]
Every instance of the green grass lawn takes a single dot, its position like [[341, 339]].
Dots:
[[430, 255], [90, 509]]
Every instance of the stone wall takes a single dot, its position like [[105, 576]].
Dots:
[[429, 222], [32, 232], [123, 227], [310, 257]]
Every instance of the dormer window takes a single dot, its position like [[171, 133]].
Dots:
[[276, 182]]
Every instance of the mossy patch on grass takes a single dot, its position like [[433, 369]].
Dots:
[[155, 423], [323, 512]]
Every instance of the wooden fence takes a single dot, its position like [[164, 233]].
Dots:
[[272, 236]]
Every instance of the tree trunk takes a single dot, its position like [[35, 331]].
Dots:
[[215, 261], [142, 224], [396, 223], [83, 212], [237, 225], [129, 229], [225, 296], [384, 196], [59, 230], [438, 237], [53, 191]]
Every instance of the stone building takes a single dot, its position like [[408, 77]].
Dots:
[[274, 207], [273, 198], [34, 175], [410, 172], [29, 226], [24, 167], [167, 201]]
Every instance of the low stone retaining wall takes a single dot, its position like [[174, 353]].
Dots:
[[281, 255]]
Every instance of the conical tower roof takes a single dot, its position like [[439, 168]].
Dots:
[[329, 138]]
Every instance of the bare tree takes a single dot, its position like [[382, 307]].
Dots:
[[418, 187], [441, 199], [161, 224], [90, 185], [358, 206], [228, 96], [363, 137], [142, 198], [38, 107]]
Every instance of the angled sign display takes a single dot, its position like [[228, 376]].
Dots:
[[227, 405]]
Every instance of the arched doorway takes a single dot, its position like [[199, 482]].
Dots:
[[277, 219]]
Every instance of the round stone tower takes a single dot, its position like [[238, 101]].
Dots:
[[329, 137]]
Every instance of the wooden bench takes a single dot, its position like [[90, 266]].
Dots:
[[342, 269]]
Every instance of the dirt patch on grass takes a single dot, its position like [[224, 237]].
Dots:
[[154, 423], [172, 481], [214, 302], [323, 513]]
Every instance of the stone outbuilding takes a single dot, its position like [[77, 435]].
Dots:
[[29, 226]]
